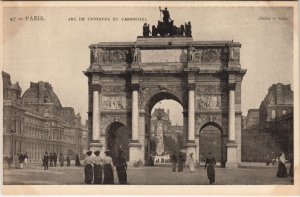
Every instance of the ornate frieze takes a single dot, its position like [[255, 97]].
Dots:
[[113, 89], [114, 102], [210, 55], [210, 89], [111, 56]]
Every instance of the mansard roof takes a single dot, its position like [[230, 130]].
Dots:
[[40, 93]]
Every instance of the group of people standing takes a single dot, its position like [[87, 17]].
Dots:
[[20, 160], [52, 158], [181, 159], [97, 167]]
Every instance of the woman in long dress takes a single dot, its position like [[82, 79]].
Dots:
[[108, 169], [180, 162], [191, 162], [97, 161], [210, 165], [282, 171], [88, 169], [121, 167]]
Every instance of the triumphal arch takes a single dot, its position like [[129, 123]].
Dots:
[[126, 79]]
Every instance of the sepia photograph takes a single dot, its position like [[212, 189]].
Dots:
[[154, 94]]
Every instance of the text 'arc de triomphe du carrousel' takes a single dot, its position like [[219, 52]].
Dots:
[[126, 79]]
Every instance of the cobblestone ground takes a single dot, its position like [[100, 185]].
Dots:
[[247, 175]]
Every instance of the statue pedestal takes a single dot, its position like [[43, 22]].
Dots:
[[232, 155], [135, 153], [191, 147], [95, 145]]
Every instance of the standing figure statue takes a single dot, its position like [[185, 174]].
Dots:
[[188, 29], [231, 51], [154, 30], [146, 30], [190, 52], [136, 55], [166, 15]]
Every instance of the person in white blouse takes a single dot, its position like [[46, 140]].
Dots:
[[282, 171], [108, 168], [97, 162]]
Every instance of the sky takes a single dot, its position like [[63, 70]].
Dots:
[[56, 49]]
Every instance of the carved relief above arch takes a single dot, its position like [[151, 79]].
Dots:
[[203, 119], [149, 91], [108, 119]]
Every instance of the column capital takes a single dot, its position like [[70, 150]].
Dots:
[[191, 86], [231, 86], [95, 87], [135, 86]]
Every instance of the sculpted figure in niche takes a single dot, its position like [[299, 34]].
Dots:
[[231, 51], [190, 53], [95, 56], [136, 56]]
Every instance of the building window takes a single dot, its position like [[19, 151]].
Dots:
[[273, 114], [283, 112]]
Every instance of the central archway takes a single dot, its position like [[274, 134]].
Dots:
[[118, 138], [163, 134]]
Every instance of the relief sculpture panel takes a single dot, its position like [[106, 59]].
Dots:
[[111, 56], [114, 102], [208, 102], [211, 55]]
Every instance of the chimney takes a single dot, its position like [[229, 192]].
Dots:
[[168, 111]]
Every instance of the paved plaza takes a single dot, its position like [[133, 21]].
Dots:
[[250, 174]]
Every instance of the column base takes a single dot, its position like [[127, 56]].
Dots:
[[191, 147], [95, 145], [135, 153], [232, 155]]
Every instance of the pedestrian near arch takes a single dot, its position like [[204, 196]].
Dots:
[[121, 167], [191, 162], [282, 171], [108, 169], [88, 169], [97, 162], [210, 163]]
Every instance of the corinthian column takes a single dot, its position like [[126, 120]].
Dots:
[[135, 113], [95, 144], [231, 113], [231, 146], [191, 113]]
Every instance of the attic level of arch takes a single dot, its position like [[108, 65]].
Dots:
[[167, 55]]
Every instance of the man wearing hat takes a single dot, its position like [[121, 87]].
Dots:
[[46, 161], [97, 161], [210, 165], [88, 169]]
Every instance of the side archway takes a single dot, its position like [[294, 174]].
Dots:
[[118, 137], [211, 139]]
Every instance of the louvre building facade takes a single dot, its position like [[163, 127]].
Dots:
[[36, 122]]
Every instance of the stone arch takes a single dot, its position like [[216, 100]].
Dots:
[[215, 124], [167, 93], [118, 137], [212, 142]]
